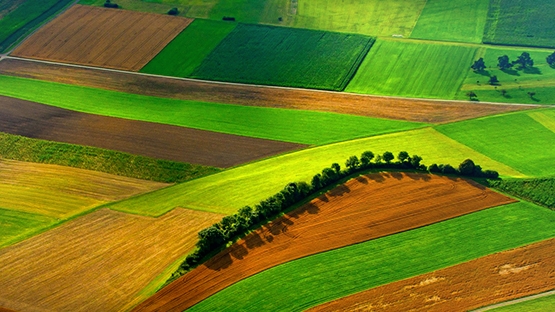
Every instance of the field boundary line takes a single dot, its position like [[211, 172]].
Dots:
[[445, 101], [515, 301]]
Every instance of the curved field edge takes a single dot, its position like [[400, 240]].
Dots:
[[295, 126], [307, 282], [535, 303], [249, 184], [91, 158]]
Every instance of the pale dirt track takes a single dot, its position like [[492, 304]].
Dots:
[[495, 278], [431, 111], [364, 208], [103, 37], [98, 262]]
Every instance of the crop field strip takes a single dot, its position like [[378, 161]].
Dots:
[[136, 137], [99, 261], [382, 204], [98, 37], [260, 122], [344, 103], [540, 304], [495, 278]]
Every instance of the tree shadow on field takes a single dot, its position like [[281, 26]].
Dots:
[[339, 190], [219, 262], [511, 72], [397, 175], [419, 176], [483, 73], [532, 70], [378, 177], [362, 179]]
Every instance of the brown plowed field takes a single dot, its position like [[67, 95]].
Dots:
[[371, 106], [103, 37], [98, 262], [499, 277], [364, 208], [136, 137]]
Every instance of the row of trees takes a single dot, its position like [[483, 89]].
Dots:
[[523, 61], [216, 237]]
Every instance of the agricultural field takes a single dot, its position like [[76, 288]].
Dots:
[[447, 20], [258, 122], [498, 277], [285, 57], [380, 203], [412, 69], [16, 225], [520, 22], [99, 37], [343, 103], [130, 250], [540, 191]]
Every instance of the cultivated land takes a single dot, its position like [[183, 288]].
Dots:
[[101, 37], [285, 57], [517, 140], [452, 21], [99, 261], [541, 304], [17, 224], [413, 69], [540, 191], [499, 277], [520, 22], [296, 126], [136, 137], [353, 104], [249, 184], [187, 51], [307, 282], [364, 208]]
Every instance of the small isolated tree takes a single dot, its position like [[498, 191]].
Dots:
[[467, 167], [109, 4], [524, 61], [551, 59], [388, 157], [493, 80], [531, 94], [471, 95], [478, 65], [173, 11], [352, 163], [503, 92], [403, 157], [503, 62]]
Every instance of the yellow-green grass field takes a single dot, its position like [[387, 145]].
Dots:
[[413, 69], [449, 20], [16, 224], [515, 139], [232, 189]]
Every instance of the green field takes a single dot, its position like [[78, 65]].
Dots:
[[352, 269], [412, 69], [296, 126], [189, 48], [521, 22], [249, 184], [452, 20], [17, 224], [540, 191], [285, 57], [515, 139], [542, 304]]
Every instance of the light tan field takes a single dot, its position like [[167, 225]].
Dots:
[[103, 37], [98, 262]]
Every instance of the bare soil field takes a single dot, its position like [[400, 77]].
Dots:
[[103, 37], [371, 106], [364, 208], [136, 137], [98, 262], [495, 278]]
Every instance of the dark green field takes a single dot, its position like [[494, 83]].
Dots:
[[541, 191]]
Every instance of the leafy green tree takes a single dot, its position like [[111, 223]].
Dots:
[[352, 163], [531, 94], [471, 95], [415, 161], [504, 63], [467, 167], [336, 167], [210, 239], [316, 182], [388, 157], [524, 60], [365, 159], [434, 168], [493, 80], [551, 59], [403, 157], [478, 65]]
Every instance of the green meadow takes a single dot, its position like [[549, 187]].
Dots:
[[269, 55], [412, 69], [449, 20], [541, 304], [17, 224], [345, 271], [516, 140], [251, 183], [296, 126], [187, 51], [540, 191]]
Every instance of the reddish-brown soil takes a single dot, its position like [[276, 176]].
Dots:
[[371, 106], [499, 277], [364, 208], [136, 137], [98, 262], [103, 37]]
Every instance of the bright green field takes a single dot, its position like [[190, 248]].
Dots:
[[249, 184], [189, 48], [543, 304], [370, 17], [521, 22], [452, 20], [15, 224], [517, 83], [514, 139], [297, 126], [289, 57], [412, 69], [313, 280]]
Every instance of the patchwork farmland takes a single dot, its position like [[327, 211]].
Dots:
[[298, 155]]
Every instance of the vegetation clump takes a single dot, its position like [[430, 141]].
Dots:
[[540, 191]]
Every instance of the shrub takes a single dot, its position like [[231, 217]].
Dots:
[[173, 11]]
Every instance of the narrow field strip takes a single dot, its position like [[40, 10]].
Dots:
[[364, 208], [15, 224]]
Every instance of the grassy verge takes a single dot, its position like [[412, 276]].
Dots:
[[542, 304]]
